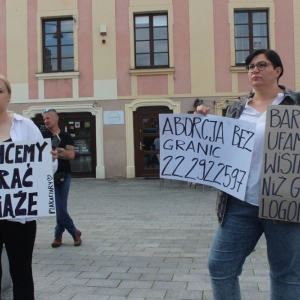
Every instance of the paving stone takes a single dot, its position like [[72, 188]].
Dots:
[[45, 280], [173, 271], [136, 284], [90, 297], [143, 270], [52, 288], [182, 294], [124, 298], [126, 276], [189, 278], [80, 290], [135, 264], [264, 287], [199, 286], [90, 275], [103, 282], [55, 296], [72, 281], [142, 293], [156, 277], [120, 292], [65, 274], [164, 285], [114, 269], [81, 268]]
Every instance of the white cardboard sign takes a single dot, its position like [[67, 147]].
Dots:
[[280, 182], [211, 150], [26, 179]]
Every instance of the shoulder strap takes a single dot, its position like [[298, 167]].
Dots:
[[298, 98]]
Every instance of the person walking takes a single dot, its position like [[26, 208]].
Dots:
[[66, 153], [18, 234], [240, 227]]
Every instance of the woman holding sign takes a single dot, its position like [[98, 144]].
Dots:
[[18, 234], [240, 227]]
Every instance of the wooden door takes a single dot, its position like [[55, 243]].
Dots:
[[146, 140]]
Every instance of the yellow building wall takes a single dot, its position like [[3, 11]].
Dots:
[[17, 45], [104, 53], [56, 5], [151, 3], [202, 49], [297, 42]]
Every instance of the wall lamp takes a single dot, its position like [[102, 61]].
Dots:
[[103, 29], [198, 102]]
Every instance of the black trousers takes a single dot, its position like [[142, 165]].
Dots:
[[19, 241]]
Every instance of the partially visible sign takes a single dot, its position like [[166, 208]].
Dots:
[[280, 184], [113, 117], [26, 179], [212, 150], [82, 146]]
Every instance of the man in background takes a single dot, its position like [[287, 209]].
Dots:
[[66, 152]]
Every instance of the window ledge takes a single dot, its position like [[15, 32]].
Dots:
[[58, 75], [163, 71], [238, 69]]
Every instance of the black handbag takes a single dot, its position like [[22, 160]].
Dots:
[[59, 178]]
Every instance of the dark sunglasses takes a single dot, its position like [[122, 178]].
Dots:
[[50, 109]]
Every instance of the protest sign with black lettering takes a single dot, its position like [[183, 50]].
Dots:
[[26, 179], [280, 184], [212, 150]]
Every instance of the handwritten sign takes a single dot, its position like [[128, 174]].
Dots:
[[280, 185], [212, 150], [26, 179]]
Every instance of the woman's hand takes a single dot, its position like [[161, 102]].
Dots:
[[201, 109], [54, 154]]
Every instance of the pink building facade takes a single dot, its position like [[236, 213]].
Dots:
[[110, 67]]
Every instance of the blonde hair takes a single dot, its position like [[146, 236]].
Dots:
[[6, 82]]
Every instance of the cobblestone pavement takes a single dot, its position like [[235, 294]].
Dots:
[[140, 242]]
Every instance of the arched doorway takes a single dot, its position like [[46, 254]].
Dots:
[[146, 140], [91, 113], [130, 129]]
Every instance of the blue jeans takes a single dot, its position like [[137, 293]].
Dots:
[[236, 239], [63, 219]]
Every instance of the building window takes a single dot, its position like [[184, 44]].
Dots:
[[251, 33], [58, 45], [151, 41]]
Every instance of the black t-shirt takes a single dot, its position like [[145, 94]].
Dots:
[[65, 139]]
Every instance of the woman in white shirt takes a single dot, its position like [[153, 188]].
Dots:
[[18, 234], [240, 226]]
